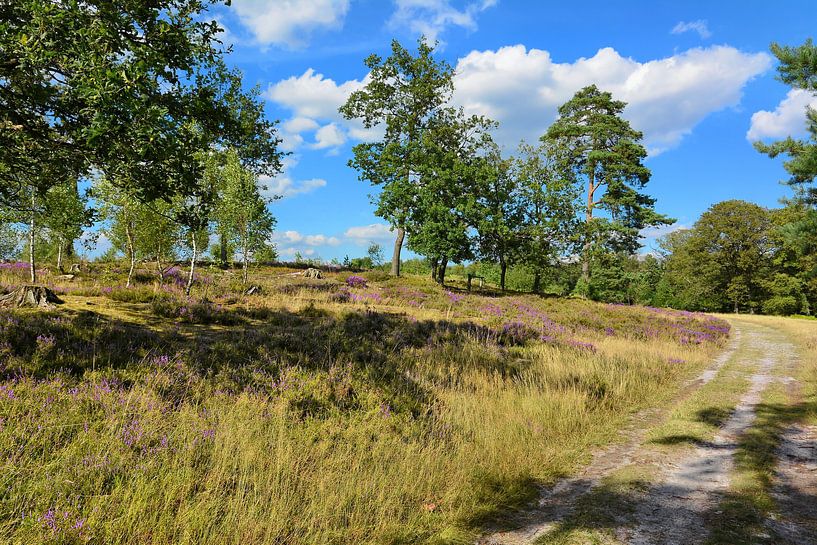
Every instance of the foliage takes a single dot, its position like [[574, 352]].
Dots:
[[402, 96], [132, 90], [598, 146], [241, 212], [722, 262], [798, 68]]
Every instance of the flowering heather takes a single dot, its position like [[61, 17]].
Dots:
[[355, 281], [15, 266], [132, 413], [491, 309], [515, 333]]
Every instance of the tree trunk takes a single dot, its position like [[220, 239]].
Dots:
[[223, 250], [32, 267], [588, 218], [193, 258], [503, 268], [537, 281], [398, 245], [59, 255], [160, 270], [245, 251], [131, 252], [441, 272], [435, 264]]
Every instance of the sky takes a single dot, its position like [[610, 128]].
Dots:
[[698, 78]]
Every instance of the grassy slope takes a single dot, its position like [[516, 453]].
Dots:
[[390, 413]]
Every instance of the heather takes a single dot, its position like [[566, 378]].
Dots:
[[399, 412]]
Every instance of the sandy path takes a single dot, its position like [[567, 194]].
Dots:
[[676, 510], [682, 501], [557, 503]]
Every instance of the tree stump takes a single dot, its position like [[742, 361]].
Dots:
[[253, 290], [30, 296], [313, 273]]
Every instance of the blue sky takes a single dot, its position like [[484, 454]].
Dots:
[[697, 75]]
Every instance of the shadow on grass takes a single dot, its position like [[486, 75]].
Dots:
[[374, 350]]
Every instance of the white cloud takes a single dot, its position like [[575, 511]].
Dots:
[[289, 242], [652, 233], [788, 119], [285, 186], [289, 22], [299, 124], [700, 26], [291, 251], [365, 234], [432, 17], [311, 96], [321, 240], [328, 136], [522, 89]]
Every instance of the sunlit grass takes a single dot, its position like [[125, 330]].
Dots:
[[298, 416]]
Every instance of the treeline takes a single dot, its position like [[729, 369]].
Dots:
[[565, 215], [738, 257]]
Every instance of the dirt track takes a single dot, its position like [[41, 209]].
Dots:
[[680, 503]]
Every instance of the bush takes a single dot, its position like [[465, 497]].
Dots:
[[781, 305]]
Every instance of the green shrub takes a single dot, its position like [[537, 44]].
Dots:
[[781, 305]]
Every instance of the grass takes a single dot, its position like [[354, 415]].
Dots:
[[318, 412]]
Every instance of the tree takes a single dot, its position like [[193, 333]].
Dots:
[[241, 212], [446, 188], [128, 88], [551, 200], [723, 262], [375, 254], [66, 214], [598, 146], [402, 95], [798, 68], [500, 214], [137, 229]]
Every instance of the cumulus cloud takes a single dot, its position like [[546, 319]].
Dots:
[[290, 242], [432, 17], [328, 136], [294, 237], [311, 95], [700, 26], [522, 88], [289, 22], [788, 119], [365, 234]]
